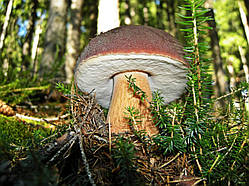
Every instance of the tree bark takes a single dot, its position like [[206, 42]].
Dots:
[[108, 17], [244, 62], [220, 76], [246, 71], [26, 52], [127, 19], [4, 65], [54, 45], [38, 31], [232, 75], [244, 19], [92, 10], [159, 12], [246, 2], [6, 22], [171, 16], [73, 38]]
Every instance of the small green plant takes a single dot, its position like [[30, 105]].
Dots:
[[65, 89], [133, 117], [171, 138], [124, 156], [210, 141], [217, 148], [136, 90]]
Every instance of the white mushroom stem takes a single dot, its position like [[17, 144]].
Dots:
[[123, 97]]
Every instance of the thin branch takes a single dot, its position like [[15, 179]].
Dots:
[[83, 155], [69, 143], [229, 94], [24, 89], [167, 163], [41, 119]]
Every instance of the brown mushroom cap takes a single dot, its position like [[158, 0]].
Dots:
[[132, 48], [134, 39]]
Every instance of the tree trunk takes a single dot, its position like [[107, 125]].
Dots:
[[247, 8], [232, 75], [26, 52], [220, 76], [38, 31], [4, 65], [171, 17], [144, 14], [108, 17], [6, 22], [246, 71], [159, 13], [127, 19], [244, 62], [54, 45], [244, 19], [73, 38]]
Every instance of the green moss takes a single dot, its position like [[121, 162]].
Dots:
[[16, 135]]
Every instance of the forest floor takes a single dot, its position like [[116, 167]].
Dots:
[[43, 131], [58, 141]]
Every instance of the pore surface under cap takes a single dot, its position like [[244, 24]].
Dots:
[[165, 74]]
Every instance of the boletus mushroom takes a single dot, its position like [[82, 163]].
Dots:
[[152, 56]]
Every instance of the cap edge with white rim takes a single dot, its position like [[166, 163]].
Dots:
[[165, 74]]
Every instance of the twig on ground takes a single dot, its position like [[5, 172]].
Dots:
[[42, 119]]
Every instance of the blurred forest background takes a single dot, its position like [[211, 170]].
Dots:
[[41, 40]]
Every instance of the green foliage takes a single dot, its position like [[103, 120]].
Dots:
[[218, 148], [170, 144], [202, 133], [136, 90], [20, 152], [17, 69], [65, 89], [20, 90], [16, 135], [218, 143], [124, 153], [231, 33], [198, 102], [134, 118], [170, 139], [124, 156]]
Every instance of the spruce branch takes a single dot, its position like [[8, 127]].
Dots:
[[136, 90]]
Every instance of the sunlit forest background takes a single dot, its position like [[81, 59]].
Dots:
[[40, 42]]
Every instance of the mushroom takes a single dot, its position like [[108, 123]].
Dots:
[[152, 56]]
